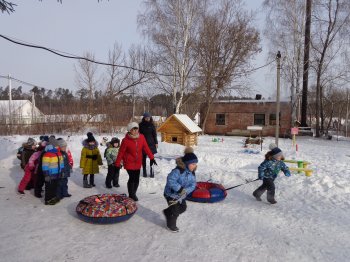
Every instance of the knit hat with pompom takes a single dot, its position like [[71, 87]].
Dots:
[[189, 157]]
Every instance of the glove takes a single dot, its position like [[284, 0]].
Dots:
[[182, 192], [288, 174], [94, 157], [47, 179], [153, 162]]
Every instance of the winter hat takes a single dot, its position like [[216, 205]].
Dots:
[[44, 138], [31, 142], [132, 125], [114, 140], [53, 141], [61, 142], [146, 114], [275, 151], [189, 157], [90, 138]]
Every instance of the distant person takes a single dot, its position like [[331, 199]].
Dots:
[[181, 181], [90, 160], [52, 167], [62, 187], [268, 171], [130, 153], [148, 129], [28, 150], [111, 156], [31, 168]]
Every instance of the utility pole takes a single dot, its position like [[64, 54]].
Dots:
[[278, 58], [10, 103], [347, 112], [306, 62]]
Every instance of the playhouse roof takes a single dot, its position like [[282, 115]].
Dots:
[[185, 121]]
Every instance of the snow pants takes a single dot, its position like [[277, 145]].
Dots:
[[174, 210], [27, 178], [268, 185], [112, 175], [62, 187], [51, 189]]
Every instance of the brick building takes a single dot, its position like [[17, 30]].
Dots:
[[232, 117]]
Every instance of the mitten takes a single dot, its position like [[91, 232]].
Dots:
[[182, 192], [153, 162], [47, 179]]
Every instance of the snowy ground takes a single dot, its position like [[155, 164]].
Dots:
[[310, 222]]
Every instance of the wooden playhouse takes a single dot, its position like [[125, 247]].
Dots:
[[180, 129]]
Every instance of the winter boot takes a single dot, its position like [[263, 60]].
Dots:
[[108, 181], [92, 179], [170, 221], [85, 182], [257, 195], [271, 197]]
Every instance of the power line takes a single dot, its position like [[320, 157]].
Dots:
[[72, 56]]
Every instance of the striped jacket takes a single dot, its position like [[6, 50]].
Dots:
[[52, 162]]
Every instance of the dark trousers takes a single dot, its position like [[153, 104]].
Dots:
[[112, 175], [133, 182], [268, 185], [144, 166], [173, 211], [62, 187], [51, 189], [39, 183]]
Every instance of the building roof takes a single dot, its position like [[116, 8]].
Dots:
[[185, 121], [16, 106], [284, 100]]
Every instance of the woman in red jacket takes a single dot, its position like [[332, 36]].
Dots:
[[130, 153]]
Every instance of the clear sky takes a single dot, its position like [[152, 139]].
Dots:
[[77, 26]]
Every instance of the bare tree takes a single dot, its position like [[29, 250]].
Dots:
[[173, 26], [87, 80], [285, 31], [331, 21], [227, 42]]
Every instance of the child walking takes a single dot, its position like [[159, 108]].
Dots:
[[62, 187], [268, 171], [90, 160], [180, 182], [111, 156]]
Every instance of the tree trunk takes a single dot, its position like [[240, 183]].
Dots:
[[306, 62]]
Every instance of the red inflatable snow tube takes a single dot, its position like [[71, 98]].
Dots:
[[106, 208], [207, 192]]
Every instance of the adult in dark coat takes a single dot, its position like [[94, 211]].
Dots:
[[148, 130]]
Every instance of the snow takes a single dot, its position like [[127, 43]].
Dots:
[[188, 123], [310, 222]]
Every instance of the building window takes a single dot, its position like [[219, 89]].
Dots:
[[220, 119], [174, 139], [259, 119], [272, 119]]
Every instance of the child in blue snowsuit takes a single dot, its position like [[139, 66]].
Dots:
[[180, 182], [268, 171]]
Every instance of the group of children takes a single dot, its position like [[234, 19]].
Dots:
[[46, 163], [50, 162]]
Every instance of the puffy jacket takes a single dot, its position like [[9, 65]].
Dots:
[[148, 129], [52, 162], [271, 168], [111, 155], [67, 168], [90, 159], [130, 152], [179, 177]]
